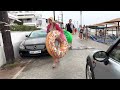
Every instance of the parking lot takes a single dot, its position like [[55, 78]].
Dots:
[[72, 66]]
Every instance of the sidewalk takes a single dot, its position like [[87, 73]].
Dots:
[[9, 71]]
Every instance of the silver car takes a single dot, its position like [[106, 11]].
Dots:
[[34, 44], [104, 64]]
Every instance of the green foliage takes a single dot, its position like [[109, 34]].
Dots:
[[22, 28]]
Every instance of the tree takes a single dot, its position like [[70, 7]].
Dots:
[[6, 36]]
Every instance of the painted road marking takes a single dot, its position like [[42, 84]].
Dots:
[[18, 73]]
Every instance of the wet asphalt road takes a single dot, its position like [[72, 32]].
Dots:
[[72, 66]]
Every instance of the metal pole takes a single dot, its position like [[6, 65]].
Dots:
[[62, 15], [77, 24], [105, 33], [81, 18], [61, 19], [58, 18], [118, 30], [96, 32], [54, 14], [112, 30]]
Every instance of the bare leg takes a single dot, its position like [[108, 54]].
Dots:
[[55, 62], [70, 45], [55, 59]]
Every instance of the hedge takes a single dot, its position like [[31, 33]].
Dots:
[[22, 28]]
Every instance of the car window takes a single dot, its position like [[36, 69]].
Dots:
[[35, 34], [115, 54]]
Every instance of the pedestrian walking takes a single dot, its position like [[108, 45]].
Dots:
[[84, 32], [81, 32], [54, 26], [70, 28]]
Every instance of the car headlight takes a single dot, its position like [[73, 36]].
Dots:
[[22, 46]]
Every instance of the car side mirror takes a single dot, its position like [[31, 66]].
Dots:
[[100, 56], [26, 36]]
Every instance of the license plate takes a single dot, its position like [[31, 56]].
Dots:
[[35, 52]]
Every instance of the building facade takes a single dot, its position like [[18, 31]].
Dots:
[[30, 18]]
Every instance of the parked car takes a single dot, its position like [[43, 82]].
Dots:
[[104, 64], [34, 44]]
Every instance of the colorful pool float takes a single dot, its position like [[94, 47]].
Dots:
[[68, 36], [53, 50]]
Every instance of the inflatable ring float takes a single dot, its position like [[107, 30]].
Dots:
[[68, 36], [56, 52]]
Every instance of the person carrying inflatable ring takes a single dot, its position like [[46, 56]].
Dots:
[[50, 28]]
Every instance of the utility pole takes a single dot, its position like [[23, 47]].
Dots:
[[77, 25], [5, 31], [81, 17], [58, 18], [54, 14], [61, 19]]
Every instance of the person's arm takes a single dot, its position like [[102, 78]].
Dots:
[[73, 29], [62, 32], [58, 28], [48, 28]]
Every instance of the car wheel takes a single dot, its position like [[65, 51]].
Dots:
[[89, 71]]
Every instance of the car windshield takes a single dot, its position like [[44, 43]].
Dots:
[[115, 54], [39, 33]]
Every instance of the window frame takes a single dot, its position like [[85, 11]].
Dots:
[[115, 58], [112, 47], [35, 32]]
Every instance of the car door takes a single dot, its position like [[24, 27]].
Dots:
[[112, 69]]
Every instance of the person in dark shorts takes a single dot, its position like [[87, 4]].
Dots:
[[84, 32], [81, 32], [70, 28]]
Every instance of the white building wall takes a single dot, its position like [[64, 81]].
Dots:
[[2, 54], [16, 42]]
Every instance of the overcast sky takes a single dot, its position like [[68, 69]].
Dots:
[[88, 17]]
